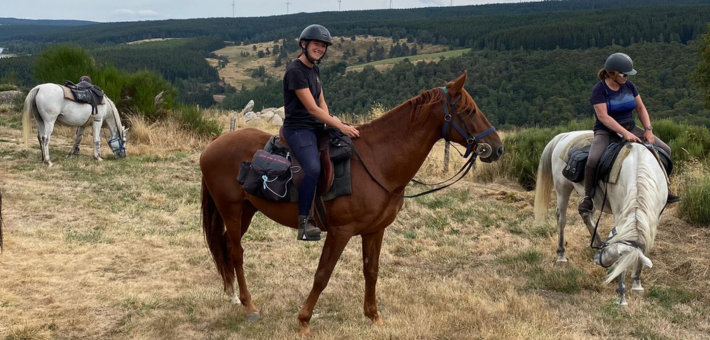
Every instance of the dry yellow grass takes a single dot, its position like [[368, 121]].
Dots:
[[114, 250]]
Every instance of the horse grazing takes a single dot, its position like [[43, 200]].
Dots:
[[636, 200], [47, 104], [392, 147]]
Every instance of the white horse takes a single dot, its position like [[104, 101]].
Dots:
[[47, 104], [636, 200]]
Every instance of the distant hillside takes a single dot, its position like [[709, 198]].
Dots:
[[435, 23], [30, 22]]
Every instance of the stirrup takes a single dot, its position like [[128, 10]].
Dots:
[[307, 231], [586, 206]]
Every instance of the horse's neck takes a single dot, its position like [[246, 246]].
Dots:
[[110, 121], [400, 144]]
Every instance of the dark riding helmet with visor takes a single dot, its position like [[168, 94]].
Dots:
[[315, 32], [620, 62]]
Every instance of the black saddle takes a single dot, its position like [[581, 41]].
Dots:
[[85, 92], [578, 160]]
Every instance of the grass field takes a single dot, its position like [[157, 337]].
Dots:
[[419, 57], [114, 250]]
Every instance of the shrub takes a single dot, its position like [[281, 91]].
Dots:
[[695, 206], [191, 119]]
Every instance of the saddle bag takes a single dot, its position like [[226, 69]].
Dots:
[[267, 176], [576, 162], [340, 145]]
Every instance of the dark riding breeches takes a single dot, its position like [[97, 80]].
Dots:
[[304, 145], [602, 139]]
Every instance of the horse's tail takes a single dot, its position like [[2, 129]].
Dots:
[[543, 185], [30, 108], [213, 226]]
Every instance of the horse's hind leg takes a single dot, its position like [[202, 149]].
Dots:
[[237, 222], [563, 193], [77, 141], [636, 280], [44, 132]]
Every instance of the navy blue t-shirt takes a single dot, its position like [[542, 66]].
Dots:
[[619, 104], [299, 76]]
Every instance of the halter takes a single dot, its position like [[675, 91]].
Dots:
[[471, 141], [120, 147]]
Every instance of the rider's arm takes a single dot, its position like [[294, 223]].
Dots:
[[321, 114], [643, 113], [323, 105], [611, 123]]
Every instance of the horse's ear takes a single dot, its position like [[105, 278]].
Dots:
[[456, 85]]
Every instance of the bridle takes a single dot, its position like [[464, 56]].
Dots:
[[473, 147]]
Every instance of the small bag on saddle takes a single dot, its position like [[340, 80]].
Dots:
[[340, 146], [577, 161], [267, 176]]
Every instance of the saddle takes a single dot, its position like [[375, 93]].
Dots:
[[609, 165], [84, 92], [334, 150]]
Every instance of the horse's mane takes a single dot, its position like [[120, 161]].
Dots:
[[418, 107], [639, 204]]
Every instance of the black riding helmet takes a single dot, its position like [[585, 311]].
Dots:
[[315, 32], [620, 62]]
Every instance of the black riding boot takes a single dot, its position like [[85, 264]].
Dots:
[[307, 231], [590, 181], [672, 198]]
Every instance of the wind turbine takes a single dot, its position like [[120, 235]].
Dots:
[[287, 4], [339, 1], [232, 8], [390, 4]]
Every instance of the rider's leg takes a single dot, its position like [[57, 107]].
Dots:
[[304, 146], [601, 141]]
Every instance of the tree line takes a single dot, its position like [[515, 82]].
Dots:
[[515, 88]]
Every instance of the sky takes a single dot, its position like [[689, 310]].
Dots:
[[137, 10]]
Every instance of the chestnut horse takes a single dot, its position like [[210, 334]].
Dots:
[[392, 147]]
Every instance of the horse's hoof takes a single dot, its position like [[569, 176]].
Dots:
[[48, 164], [561, 263], [638, 291], [253, 317], [304, 331], [235, 300], [99, 159], [378, 322]]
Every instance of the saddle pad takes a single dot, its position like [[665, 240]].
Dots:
[[69, 95], [578, 142], [623, 153]]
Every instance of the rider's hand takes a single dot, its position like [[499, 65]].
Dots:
[[349, 131], [648, 136], [630, 137]]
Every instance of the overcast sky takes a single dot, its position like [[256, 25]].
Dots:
[[134, 10]]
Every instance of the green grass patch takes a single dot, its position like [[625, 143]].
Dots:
[[565, 280], [671, 296], [92, 237], [446, 54]]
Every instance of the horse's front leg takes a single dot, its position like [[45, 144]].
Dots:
[[636, 280], [371, 245], [96, 127], [333, 248], [77, 142], [621, 290]]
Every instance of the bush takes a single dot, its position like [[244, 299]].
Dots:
[[695, 206], [8, 87], [191, 119]]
